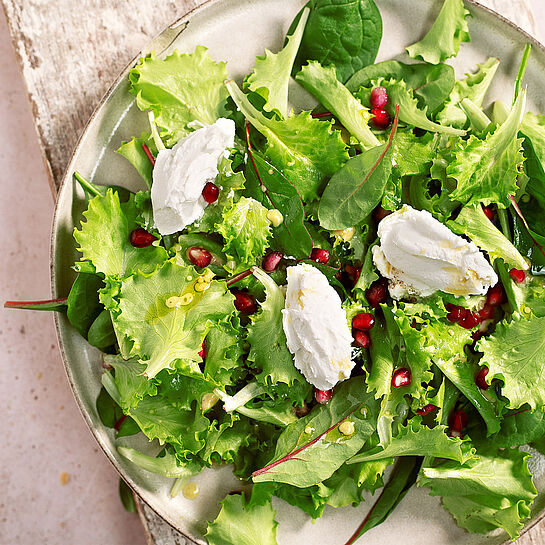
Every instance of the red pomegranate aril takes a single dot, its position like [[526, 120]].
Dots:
[[319, 255], [376, 294], [455, 313], [458, 420], [426, 409], [469, 320], [363, 321], [517, 275], [244, 302], [199, 256], [488, 212], [202, 352], [361, 339], [381, 118], [271, 261], [323, 397], [401, 377], [140, 238], [496, 295], [480, 380], [210, 192], [476, 335], [486, 313], [379, 97]]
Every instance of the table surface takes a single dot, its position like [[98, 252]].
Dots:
[[58, 486]]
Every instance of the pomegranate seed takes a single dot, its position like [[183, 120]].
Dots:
[[244, 302], [376, 294], [486, 313], [426, 409], [401, 377], [140, 238], [517, 275], [458, 421], [363, 321], [496, 295], [323, 397], [381, 119], [488, 212], [202, 352], [480, 378], [271, 261], [455, 313], [199, 256], [476, 335], [319, 255], [353, 273], [210, 192], [361, 339], [379, 97], [469, 320]]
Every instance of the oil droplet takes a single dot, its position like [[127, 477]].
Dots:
[[526, 310], [363, 411], [173, 302], [275, 217], [309, 430], [271, 171], [190, 490], [186, 298], [202, 286], [189, 278], [347, 427]]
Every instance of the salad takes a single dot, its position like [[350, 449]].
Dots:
[[313, 297]]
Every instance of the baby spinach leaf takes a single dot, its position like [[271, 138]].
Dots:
[[83, 303], [342, 33], [445, 36], [356, 189], [311, 449], [324, 85], [431, 84], [101, 334], [133, 152]]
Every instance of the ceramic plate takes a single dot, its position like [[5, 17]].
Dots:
[[237, 31]]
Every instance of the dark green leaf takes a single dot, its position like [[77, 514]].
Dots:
[[101, 333], [127, 496], [83, 303]]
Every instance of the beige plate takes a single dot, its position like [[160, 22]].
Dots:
[[237, 31]]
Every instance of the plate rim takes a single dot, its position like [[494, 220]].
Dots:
[[177, 27]]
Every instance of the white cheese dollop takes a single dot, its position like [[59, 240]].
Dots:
[[316, 329], [419, 255], [180, 174]]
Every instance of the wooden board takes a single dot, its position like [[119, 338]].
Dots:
[[70, 51]]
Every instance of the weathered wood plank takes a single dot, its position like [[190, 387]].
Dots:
[[70, 52]]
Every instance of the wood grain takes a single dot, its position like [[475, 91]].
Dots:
[[70, 51]]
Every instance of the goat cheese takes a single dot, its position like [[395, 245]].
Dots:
[[419, 255], [180, 174], [316, 328]]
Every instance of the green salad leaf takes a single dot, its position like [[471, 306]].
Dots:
[[245, 229], [445, 36], [515, 354], [83, 305], [104, 238], [324, 85], [163, 334], [180, 89], [240, 522], [345, 34], [271, 75], [133, 152], [307, 151], [494, 492]]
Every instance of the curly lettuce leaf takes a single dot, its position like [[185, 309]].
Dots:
[[313, 448], [415, 439], [180, 89], [246, 230], [241, 522], [272, 357], [104, 238], [472, 222], [445, 36], [472, 87], [486, 170], [515, 354], [272, 73], [324, 85], [161, 334], [495, 492], [307, 151]]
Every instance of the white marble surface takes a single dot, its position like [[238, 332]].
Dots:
[[44, 436]]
